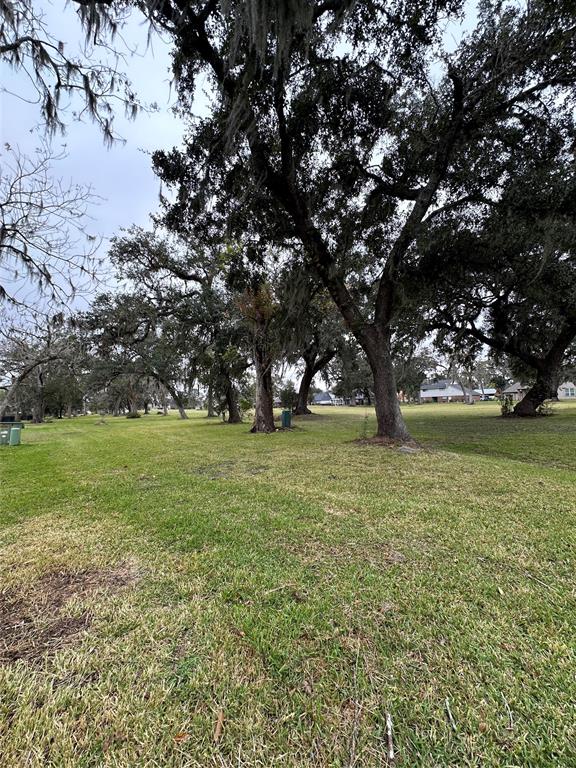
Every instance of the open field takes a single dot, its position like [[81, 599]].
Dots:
[[188, 594]]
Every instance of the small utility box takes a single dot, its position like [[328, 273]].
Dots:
[[286, 419], [15, 434]]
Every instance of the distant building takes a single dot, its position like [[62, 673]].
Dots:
[[362, 397], [567, 391], [327, 398], [487, 393], [516, 390], [446, 391]]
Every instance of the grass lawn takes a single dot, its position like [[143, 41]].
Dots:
[[188, 594]]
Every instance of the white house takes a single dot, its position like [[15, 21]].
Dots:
[[567, 391], [327, 398]]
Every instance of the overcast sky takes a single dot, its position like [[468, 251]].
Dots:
[[121, 175]]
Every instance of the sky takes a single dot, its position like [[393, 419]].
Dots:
[[121, 176]]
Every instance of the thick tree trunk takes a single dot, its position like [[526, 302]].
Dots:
[[264, 414], [388, 415], [544, 388], [234, 416], [304, 390]]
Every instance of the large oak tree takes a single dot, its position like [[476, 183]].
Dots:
[[348, 126]]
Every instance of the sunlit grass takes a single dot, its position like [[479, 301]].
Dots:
[[303, 586]]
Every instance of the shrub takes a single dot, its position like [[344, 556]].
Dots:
[[506, 405]]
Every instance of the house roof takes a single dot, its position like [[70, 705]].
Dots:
[[437, 384], [567, 384], [444, 388], [321, 397], [514, 388]]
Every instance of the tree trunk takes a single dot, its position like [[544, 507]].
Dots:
[[544, 388], [38, 408], [211, 412], [234, 416], [178, 400], [304, 390], [466, 398], [313, 365], [390, 421], [264, 415]]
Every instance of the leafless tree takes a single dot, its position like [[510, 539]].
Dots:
[[43, 236]]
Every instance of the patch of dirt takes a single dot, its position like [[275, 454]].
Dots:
[[33, 620]]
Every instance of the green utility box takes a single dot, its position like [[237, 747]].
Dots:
[[286, 419], [15, 433], [10, 432]]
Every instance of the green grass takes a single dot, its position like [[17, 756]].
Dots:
[[301, 584]]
